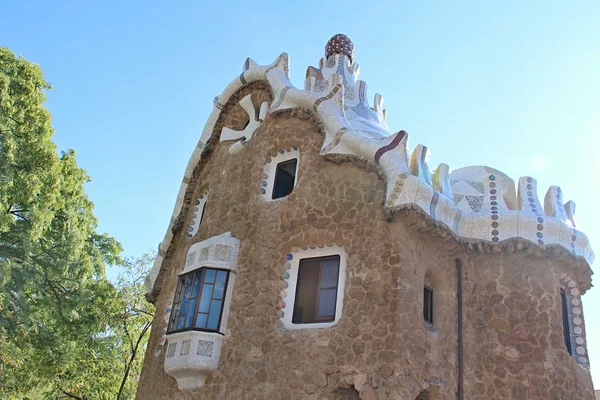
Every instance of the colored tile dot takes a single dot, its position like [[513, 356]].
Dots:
[[495, 239], [197, 202], [493, 191], [494, 212], [540, 241], [281, 151], [540, 235], [494, 203], [201, 196], [286, 275], [540, 220], [494, 224], [529, 193], [573, 238], [492, 185], [540, 227], [529, 179], [495, 232], [289, 256], [529, 187], [263, 191], [492, 177], [530, 199], [494, 217], [493, 197]]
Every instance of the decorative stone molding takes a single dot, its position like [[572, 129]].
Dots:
[[275, 158], [193, 355], [575, 321], [255, 119], [290, 283], [197, 212]]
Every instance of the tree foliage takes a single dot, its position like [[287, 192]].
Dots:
[[64, 329]]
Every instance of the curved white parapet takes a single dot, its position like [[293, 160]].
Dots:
[[475, 203]]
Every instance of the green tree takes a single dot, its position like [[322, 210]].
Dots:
[[58, 332]]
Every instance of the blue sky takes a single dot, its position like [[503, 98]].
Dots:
[[513, 85]]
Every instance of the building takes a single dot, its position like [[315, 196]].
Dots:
[[311, 257]]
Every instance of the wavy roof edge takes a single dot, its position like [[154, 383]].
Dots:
[[476, 204]]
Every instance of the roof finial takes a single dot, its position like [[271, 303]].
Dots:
[[340, 44]]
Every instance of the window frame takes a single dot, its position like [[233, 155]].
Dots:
[[179, 293], [321, 260], [564, 305], [277, 166], [428, 311]]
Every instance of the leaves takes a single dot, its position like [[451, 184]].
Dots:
[[65, 331]]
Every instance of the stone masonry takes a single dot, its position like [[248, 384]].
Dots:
[[381, 347]]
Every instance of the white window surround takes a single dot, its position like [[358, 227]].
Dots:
[[193, 355], [268, 179], [575, 320], [198, 210], [290, 276]]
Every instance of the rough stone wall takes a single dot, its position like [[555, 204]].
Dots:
[[513, 331], [380, 349]]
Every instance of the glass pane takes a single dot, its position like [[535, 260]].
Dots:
[[190, 314], [186, 297], [215, 314], [327, 303], [201, 320], [180, 322], [305, 306], [188, 279], [329, 273], [285, 176], [220, 284], [179, 290], [209, 276], [205, 299], [196, 285]]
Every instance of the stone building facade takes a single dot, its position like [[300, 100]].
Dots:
[[310, 257]]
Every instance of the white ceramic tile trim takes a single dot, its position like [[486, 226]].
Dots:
[[191, 367], [290, 277], [198, 210], [269, 171], [353, 128], [576, 327]]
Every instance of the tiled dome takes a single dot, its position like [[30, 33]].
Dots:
[[340, 44]]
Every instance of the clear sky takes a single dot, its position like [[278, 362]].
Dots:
[[514, 85]]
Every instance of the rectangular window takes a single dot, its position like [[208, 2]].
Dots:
[[565, 320], [199, 301], [428, 305], [285, 178], [316, 292]]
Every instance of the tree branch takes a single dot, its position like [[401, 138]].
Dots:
[[133, 354], [72, 396]]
